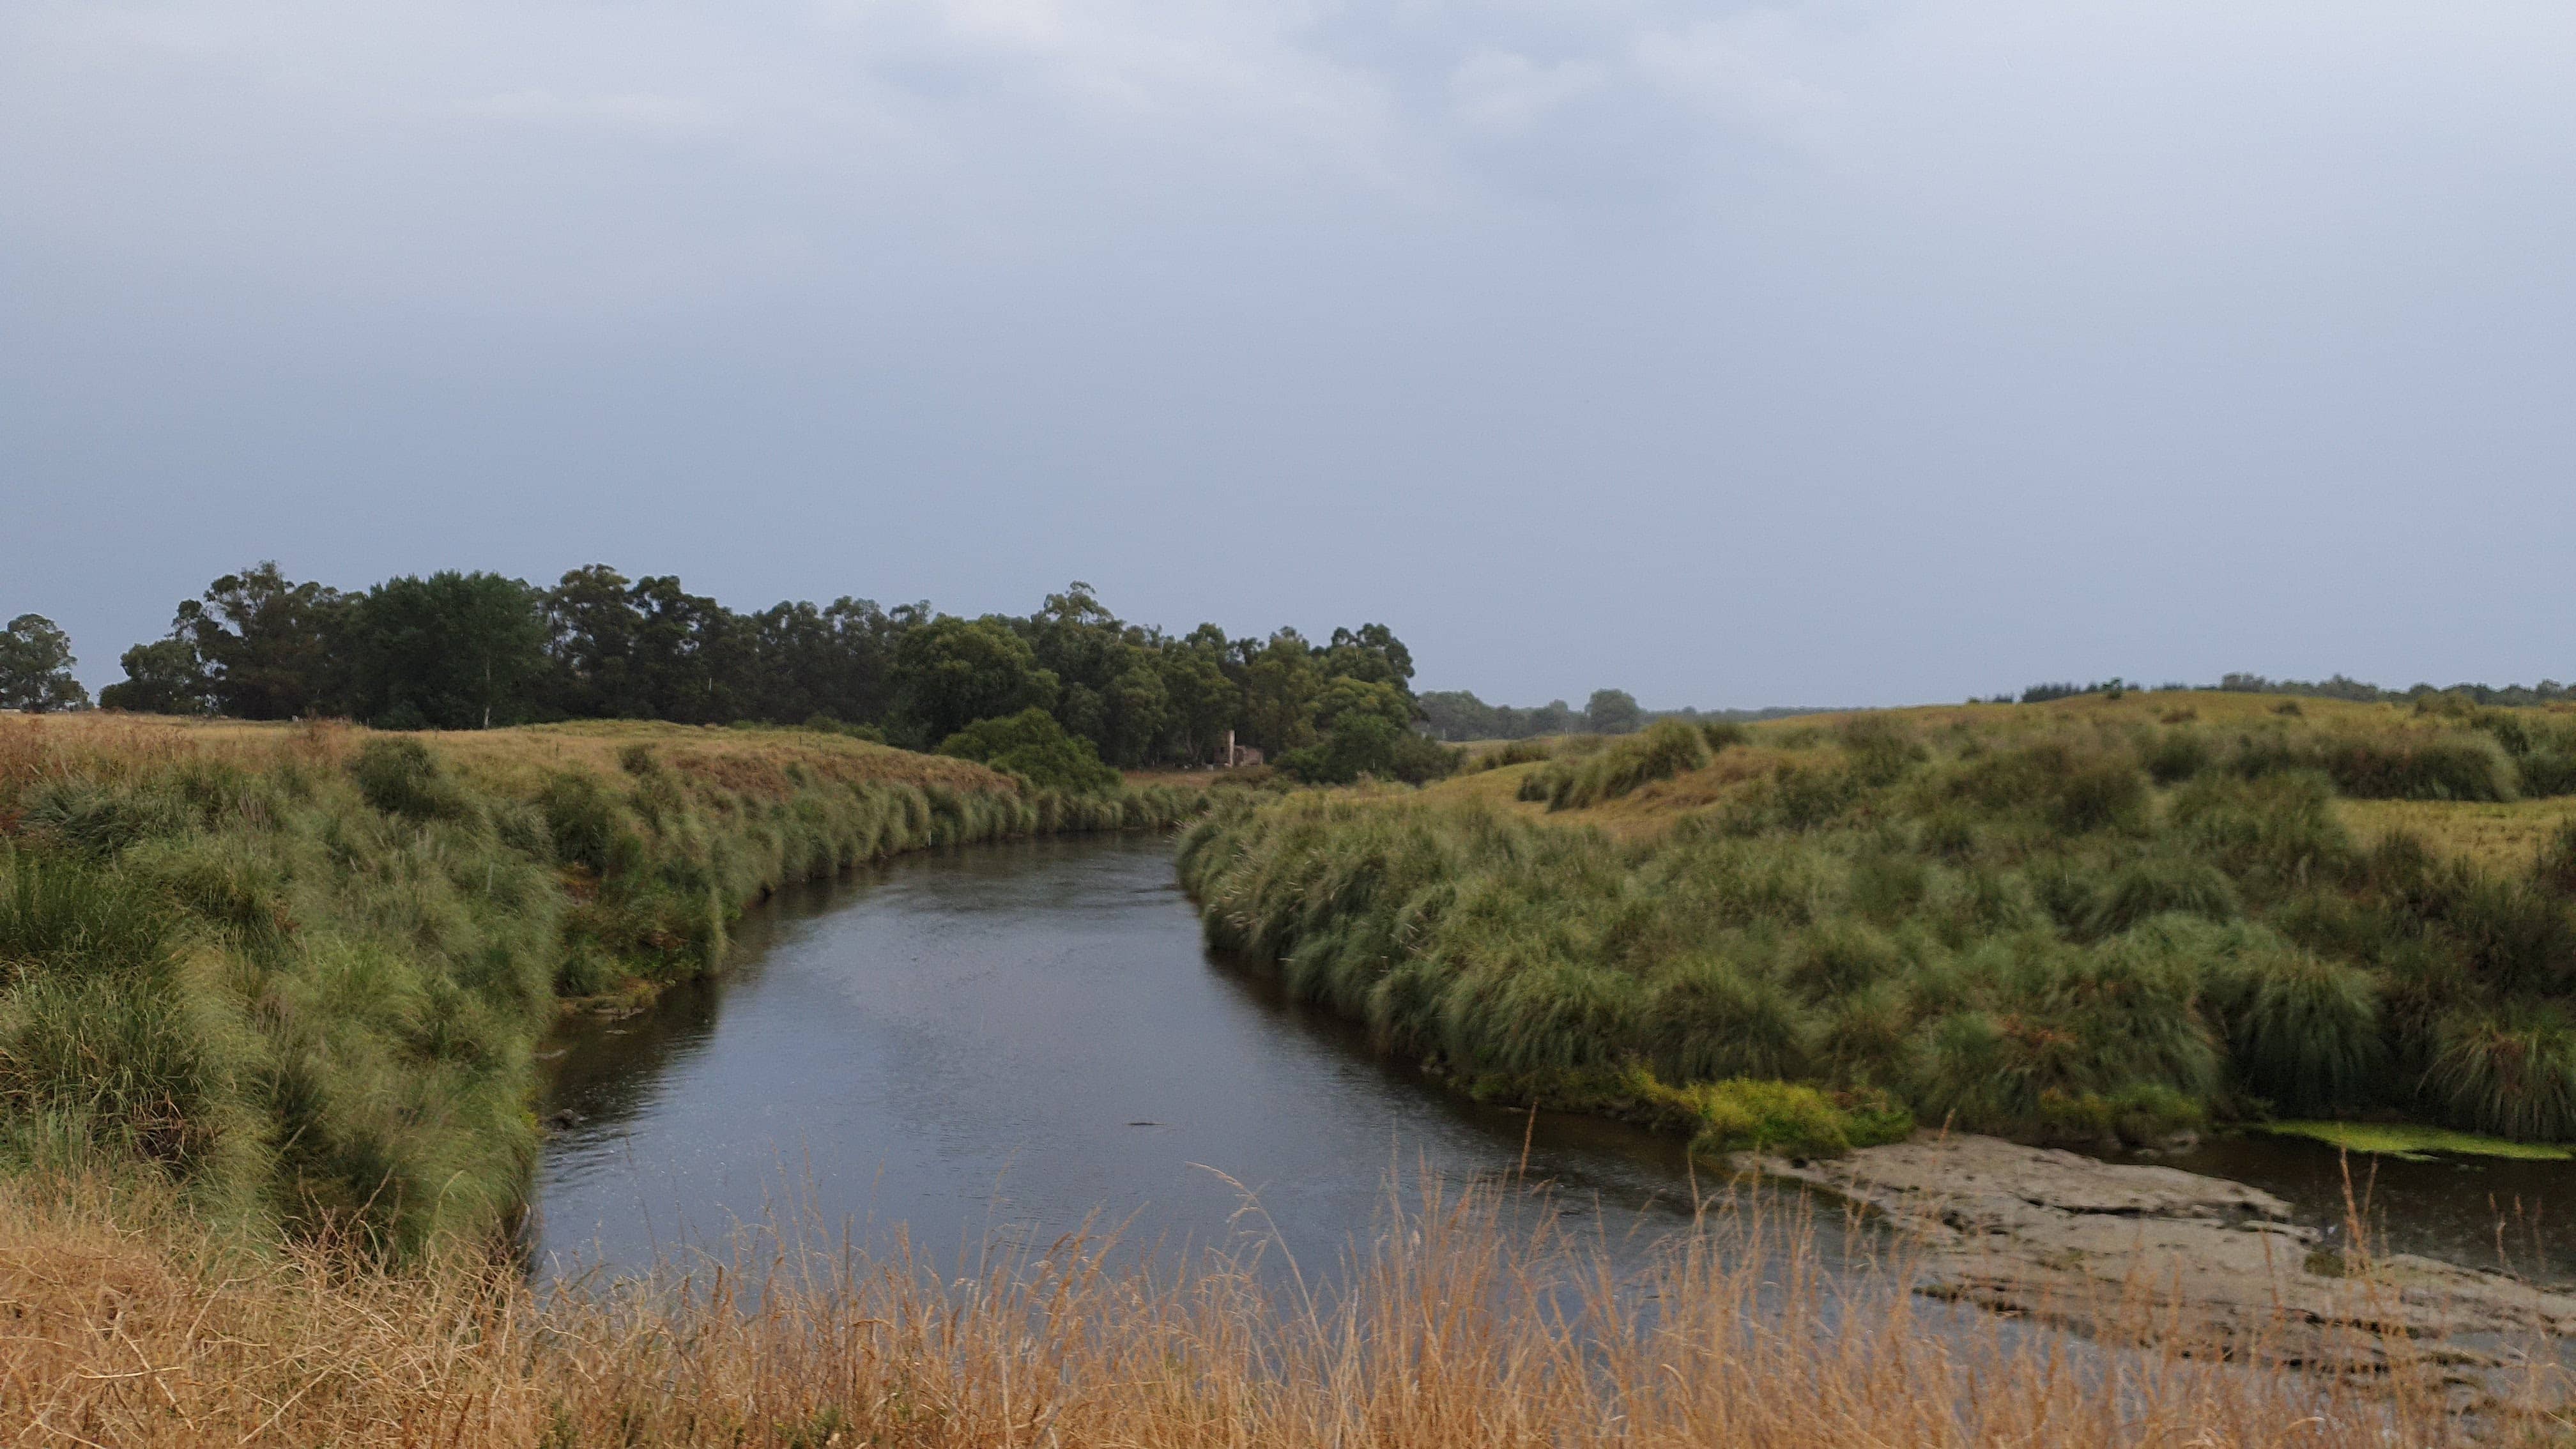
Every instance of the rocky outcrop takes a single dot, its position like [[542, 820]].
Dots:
[[2140, 1253]]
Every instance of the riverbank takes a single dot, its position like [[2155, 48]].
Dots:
[[2139, 1253], [135, 1324], [298, 971], [2098, 922]]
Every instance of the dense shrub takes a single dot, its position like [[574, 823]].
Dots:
[[1709, 1018], [1034, 747], [1371, 747]]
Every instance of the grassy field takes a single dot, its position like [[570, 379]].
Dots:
[[2507, 835], [299, 970], [2087, 920]]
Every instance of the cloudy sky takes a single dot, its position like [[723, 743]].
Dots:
[[1733, 354]]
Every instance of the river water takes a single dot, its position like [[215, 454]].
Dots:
[[1006, 1042]]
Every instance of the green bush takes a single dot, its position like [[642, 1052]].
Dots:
[[2548, 773], [1371, 747], [1723, 734], [1034, 747], [67, 916]]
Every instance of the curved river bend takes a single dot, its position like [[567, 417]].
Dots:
[[1007, 1041]]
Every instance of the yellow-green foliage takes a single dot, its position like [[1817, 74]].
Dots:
[[2101, 919], [1744, 1114], [2393, 1139], [303, 971]]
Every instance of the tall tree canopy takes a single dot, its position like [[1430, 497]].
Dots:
[[265, 642], [451, 651], [36, 667], [460, 650]]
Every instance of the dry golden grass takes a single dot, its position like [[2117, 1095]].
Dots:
[[2503, 838], [2202, 706], [1452, 1330], [1648, 811], [758, 762]]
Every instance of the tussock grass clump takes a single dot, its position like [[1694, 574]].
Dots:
[[2420, 767], [1881, 749], [2054, 784], [2304, 1032], [401, 777], [1514, 752], [1667, 748], [2511, 1073], [2157, 885]]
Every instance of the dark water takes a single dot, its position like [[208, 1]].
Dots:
[[1007, 1041], [2517, 1217]]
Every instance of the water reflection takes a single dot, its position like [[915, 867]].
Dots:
[[1017, 1040]]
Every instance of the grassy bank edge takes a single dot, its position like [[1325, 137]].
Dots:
[[300, 972]]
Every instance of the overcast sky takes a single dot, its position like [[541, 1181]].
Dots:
[[1869, 352]]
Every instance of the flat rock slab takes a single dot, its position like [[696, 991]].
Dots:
[[2142, 1254]]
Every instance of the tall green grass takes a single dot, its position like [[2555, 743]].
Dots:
[[309, 988], [2076, 933], [1667, 748]]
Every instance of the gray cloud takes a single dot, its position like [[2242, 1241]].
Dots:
[[1733, 354]]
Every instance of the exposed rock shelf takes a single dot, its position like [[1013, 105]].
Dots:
[[2134, 1253]]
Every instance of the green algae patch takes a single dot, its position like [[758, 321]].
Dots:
[[2415, 1144]]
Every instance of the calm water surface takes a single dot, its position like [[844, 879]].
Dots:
[[1009, 1040]]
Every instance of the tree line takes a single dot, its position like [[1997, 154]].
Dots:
[[458, 650], [2337, 686], [1457, 714]]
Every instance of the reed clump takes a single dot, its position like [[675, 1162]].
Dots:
[[300, 971], [1466, 1321]]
